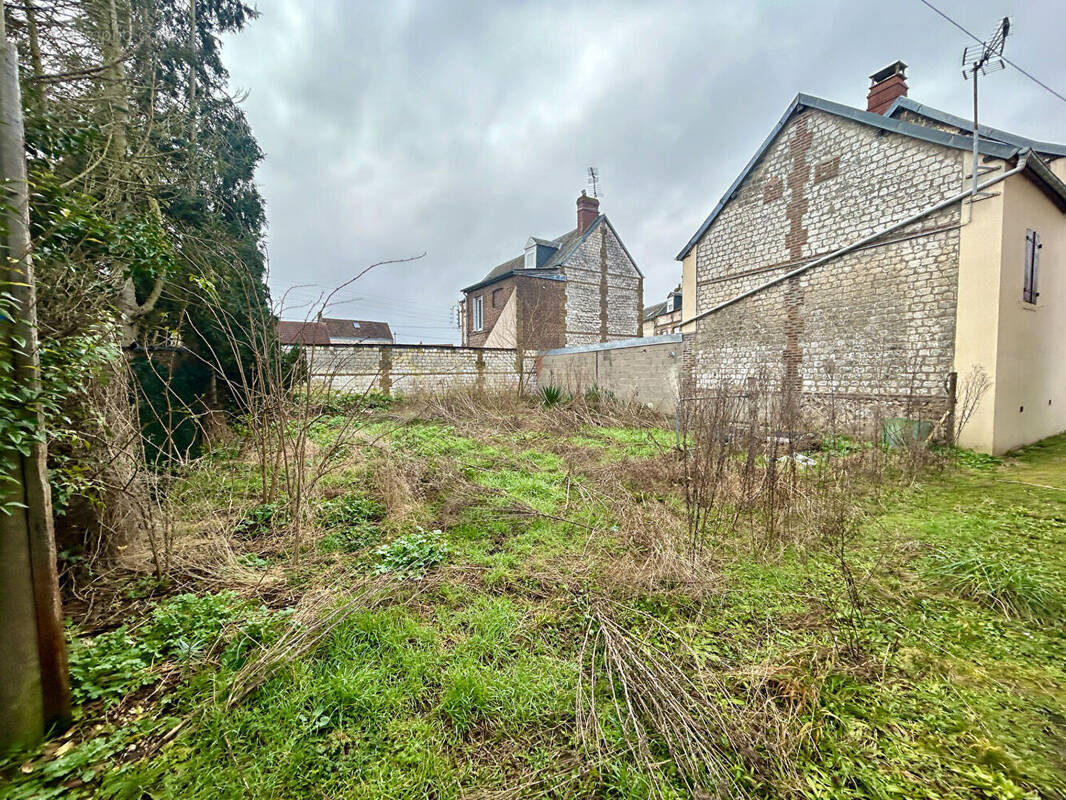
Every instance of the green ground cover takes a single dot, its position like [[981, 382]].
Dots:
[[458, 668]]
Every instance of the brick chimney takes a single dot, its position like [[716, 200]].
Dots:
[[588, 208], [885, 86]]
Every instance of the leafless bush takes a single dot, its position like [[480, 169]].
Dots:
[[739, 450], [968, 396], [283, 396], [476, 409], [669, 702]]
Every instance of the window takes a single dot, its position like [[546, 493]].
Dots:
[[497, 297], [1032, 266], [531, 257], [478, 313]]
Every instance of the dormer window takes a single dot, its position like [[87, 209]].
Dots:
[[538, 252]]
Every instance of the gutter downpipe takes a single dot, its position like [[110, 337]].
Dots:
[[973, 192]]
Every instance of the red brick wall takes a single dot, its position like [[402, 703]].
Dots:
[[540, 320], [502, 293], [541, 313]]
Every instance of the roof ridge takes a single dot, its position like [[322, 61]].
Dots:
[[984, 131]]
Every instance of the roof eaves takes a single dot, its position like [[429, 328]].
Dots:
[[487, 281], [1050, 183], [887, 124], [550, 273]]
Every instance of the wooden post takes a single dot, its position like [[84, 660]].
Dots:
[[34, 690]]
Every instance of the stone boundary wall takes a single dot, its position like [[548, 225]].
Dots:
[[646, 370], [419, 368]]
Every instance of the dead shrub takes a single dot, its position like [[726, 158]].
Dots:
[[473, 410], [669, 702]]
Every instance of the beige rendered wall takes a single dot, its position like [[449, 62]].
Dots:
[[977, 313], [1030, 397], [505, 332], [688, 286]]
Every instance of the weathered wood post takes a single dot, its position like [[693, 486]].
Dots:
[[34, 688]]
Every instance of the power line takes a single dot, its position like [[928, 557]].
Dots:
[[1029, 75], [374, 301], [370, 309]]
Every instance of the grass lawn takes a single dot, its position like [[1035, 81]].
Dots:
[[515, 610]]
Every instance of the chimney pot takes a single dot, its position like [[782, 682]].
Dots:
[[886, 86], [588, 208]]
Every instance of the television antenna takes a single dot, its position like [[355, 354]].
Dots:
[[980, 59], [594, 182]]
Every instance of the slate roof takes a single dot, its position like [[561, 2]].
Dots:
[[324, 332], [987, 146], [653, 311], [565, 246], [983, 131], [304, 333], [357, 328]]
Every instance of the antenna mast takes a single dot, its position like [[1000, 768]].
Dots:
[[594, 182], [980, 59]]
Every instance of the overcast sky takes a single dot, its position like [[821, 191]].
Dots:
[[458, 129]]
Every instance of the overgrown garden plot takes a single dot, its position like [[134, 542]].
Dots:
[[512, 603]]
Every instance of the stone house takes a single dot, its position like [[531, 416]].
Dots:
[[357, 331], [849, 267], [663, 317], [579, 288]]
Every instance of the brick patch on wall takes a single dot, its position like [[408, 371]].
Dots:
[[773, 189], [824, 170]]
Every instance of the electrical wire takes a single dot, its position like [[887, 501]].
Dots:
[[1029, 75]]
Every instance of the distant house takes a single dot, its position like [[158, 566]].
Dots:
[[849, 268], [664, 317], [329, 330], [579, 288], [293, 333], [357, 331]]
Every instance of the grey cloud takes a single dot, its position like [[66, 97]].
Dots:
[[460, 128]]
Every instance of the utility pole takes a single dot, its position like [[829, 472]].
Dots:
[[34, 685]]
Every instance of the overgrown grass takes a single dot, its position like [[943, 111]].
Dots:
[[947, 679]]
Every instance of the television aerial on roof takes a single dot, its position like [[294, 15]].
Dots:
[[988, 55], [980, 59], [594, 182]]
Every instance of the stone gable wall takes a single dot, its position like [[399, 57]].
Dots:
[[604, 291], [875, 325], [416, 369]]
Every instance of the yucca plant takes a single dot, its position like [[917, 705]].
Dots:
[[551, 396]]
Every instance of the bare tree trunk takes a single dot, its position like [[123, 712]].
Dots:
[[34, 691]]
